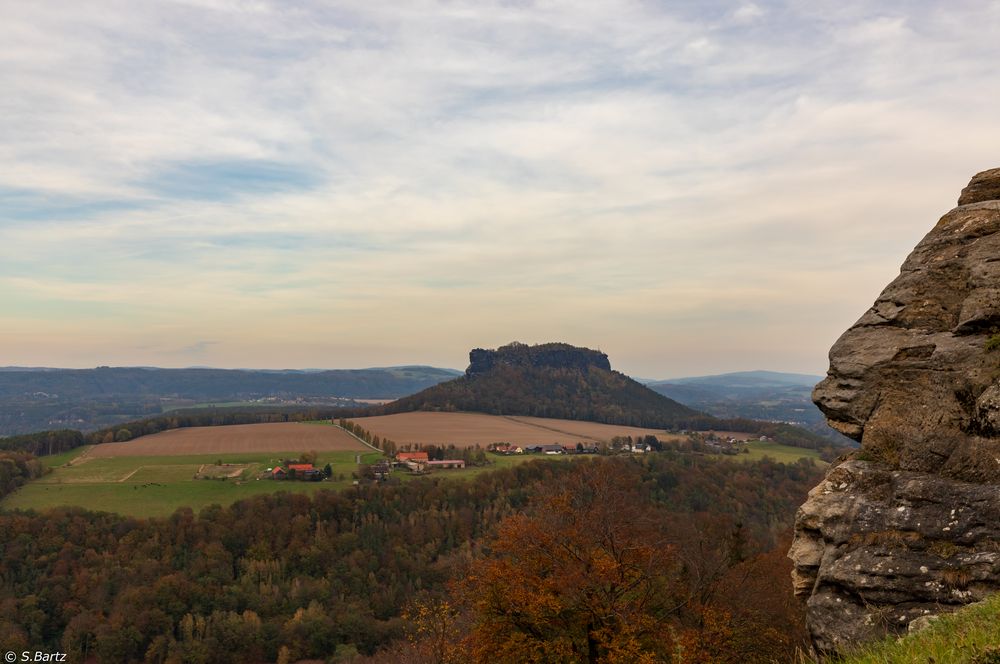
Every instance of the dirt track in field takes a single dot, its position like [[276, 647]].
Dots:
[[281, 437], [468, 429]]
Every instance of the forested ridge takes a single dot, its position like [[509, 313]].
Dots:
[[90, 399], [204, 383], [275, 578]]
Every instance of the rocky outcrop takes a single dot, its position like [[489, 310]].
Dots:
[[909, 525], [551, 355]]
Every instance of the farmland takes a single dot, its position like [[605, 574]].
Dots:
[[155, 475], [469, 429], [158, 485], [241, 438]]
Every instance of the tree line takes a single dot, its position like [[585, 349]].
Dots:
[[17, 469]]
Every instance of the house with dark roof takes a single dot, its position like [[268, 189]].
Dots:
[[446, 463]]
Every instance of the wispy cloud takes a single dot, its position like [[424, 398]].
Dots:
[[708, 186]]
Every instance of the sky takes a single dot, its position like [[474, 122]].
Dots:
[[692, 187]]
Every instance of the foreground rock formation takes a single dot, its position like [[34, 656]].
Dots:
[[910, 524]]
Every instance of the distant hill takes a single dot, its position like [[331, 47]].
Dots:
[[381, 383], [760, 395], [549, 380], [749, 379], [32, 399]]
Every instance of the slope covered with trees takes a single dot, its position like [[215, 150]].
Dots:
[[283, 577], [548, 380]]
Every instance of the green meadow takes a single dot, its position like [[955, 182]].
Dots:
[[780, 453], [157, 486]]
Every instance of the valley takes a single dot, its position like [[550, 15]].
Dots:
[[154, 475]]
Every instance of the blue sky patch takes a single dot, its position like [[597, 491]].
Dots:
[[227, 180], [40, 206]]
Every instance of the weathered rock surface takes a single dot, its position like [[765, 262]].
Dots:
[[910, 524]]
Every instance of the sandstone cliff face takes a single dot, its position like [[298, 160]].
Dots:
[[910, 524]]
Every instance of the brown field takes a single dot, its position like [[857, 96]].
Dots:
[[281, 437], [467, 429]]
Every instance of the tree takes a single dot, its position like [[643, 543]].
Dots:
[[586, 575]]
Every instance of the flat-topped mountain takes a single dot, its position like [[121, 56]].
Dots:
[[552, 355], [550, 380]]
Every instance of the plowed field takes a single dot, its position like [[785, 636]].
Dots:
[[468, 429], [239, 438]]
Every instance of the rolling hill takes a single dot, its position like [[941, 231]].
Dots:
[[760, 395], [35, 398]]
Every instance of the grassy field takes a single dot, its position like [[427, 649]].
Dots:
[[158, 485], [782, 453], [154, 475], [63, 458]]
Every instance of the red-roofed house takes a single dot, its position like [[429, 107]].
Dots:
[[412, 456]]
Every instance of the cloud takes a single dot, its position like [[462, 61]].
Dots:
[[198, 348], [366, 183], [747, 13]]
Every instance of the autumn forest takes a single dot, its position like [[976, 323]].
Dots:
[[620, 559]]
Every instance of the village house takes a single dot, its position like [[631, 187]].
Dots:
[[304, 471], [504, 448], [380, 470], [415, 461]]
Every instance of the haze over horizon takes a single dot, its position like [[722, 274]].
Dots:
[[697, 189]]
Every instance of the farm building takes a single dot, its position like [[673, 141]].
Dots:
[[504, 448], [298, 471], [412, 456], [544, 449], [447, 463]]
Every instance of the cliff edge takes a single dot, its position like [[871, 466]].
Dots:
[[551, 355], [909, 525]]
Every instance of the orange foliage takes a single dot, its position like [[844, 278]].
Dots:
[[587, 575]]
